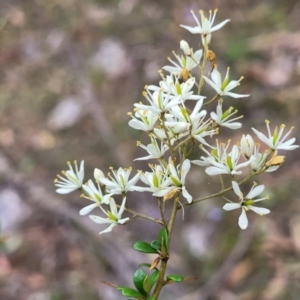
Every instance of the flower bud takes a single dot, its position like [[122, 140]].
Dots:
[[247, 146], [184, 46], [98, 174]]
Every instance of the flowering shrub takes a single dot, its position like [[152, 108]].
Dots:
[[174, 117]]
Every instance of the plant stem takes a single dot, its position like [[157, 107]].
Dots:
[[164, 260]]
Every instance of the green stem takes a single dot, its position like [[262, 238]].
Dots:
[[161, 210], [202, 69], [223, 191], [212, 99], [182, 142], [136, 214]]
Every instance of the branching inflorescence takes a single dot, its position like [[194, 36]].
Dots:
[[175, 127]]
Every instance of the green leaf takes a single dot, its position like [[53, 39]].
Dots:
[[175, 278], [138, 280], [146, 285], [150, 281], [153, 278], [163, 236], [151, 298], [144, 247], [156, 245], [129, 292]]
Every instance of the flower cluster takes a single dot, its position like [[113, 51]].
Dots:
[[174, 118]]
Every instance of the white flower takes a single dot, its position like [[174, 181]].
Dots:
[[206, 28], [247, 146], [216, 155], [73, 180], [120, 183], [176, 89], [221, 162], [113, 216], [249, 149], [143, 120], [159, 102], [165, 182], [246, 203], [222, 119], [223, 88], [276, 141], [200, 128], [185, 64], [157, 180], [179, 118], [153, 149], [178, 179], [94, 194]]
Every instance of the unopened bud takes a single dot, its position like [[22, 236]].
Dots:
[[98, 174], [184, 46], [247, 146]]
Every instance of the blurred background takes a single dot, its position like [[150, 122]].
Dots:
[[70, 71]]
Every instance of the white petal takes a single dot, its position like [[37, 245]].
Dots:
[[234, 125], [185, 169], [243, 221], [109, 228], [186, 195], [100, 220], [216, 78], [86, 210], [122, 221], [231, 206], [215, 171], [163, 192], [234, 95], [138, 125], [219, 25], [66, 190], [193, 30], [259, 210], [121, 210], [255, 192], [236, 189]]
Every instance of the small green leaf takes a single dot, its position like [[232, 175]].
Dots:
[[153, 278], [175, 278], [156, 245], [129, 292], [144, 247], [146, 285], [138, 280], [151, 298]]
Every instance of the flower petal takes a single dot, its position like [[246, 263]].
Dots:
[[243, 220], [86, 210], [231, 206]]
